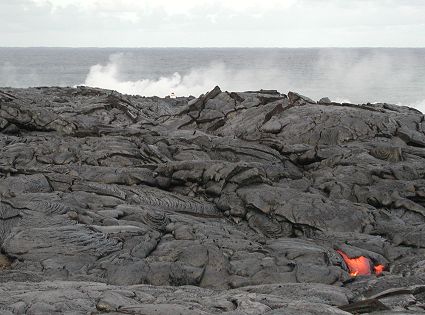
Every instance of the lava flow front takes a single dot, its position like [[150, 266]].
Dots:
[[360, 265]]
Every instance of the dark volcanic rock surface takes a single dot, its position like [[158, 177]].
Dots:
[[232, 203]]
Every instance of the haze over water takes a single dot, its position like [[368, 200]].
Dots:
[[393, 75]]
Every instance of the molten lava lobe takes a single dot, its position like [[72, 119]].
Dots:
[[356, 266], [360, 266]]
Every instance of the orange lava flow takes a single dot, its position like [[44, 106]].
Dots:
[[360, 266]]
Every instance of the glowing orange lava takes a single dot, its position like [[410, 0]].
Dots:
[[379, 269], [360, 266]]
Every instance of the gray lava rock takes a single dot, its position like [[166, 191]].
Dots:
[[232, 203]]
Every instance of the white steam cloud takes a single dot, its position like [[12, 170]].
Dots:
[[419, 105], [196, 82], [8, 74], [12, 76], [342, 77]]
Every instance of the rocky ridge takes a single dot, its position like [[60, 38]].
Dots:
[[230, 203]]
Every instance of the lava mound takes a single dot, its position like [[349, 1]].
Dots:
[[230, 203]]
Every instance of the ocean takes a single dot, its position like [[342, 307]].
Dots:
[[357, 75]]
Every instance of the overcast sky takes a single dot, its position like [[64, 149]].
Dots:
[[213, 23]]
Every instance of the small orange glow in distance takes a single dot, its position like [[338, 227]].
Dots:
[[360, 266], [379, 269]]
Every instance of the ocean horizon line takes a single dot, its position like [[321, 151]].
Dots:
[[210, 47]]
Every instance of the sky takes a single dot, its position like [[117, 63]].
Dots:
[[212, 23]]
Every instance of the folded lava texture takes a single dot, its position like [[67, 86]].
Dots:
[[231, 203]]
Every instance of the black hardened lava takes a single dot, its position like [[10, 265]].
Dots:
[[231, 203]]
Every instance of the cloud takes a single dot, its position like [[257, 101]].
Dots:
[[170, 7], [136, 10], [185, 6], [302, 12], [218, 23]]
